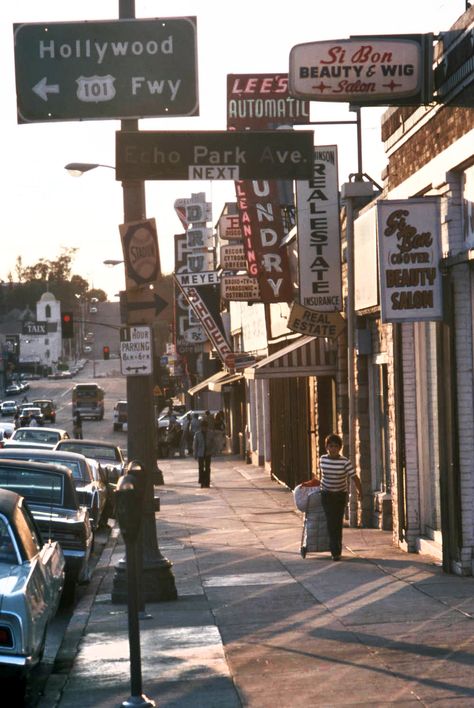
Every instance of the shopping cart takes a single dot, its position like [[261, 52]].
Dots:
[[315, 537]]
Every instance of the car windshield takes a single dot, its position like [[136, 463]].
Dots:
[[36, 435], [35, 485]]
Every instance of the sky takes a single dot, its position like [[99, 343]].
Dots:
[[45, 209]]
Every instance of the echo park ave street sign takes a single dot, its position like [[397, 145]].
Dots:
[[111, 69], [206, 155]]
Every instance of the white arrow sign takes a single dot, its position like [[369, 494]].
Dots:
[[42, 88]]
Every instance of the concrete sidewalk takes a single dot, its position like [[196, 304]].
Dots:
[[256, 625]]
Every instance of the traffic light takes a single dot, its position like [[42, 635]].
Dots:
[[106, 352], [67, 323]]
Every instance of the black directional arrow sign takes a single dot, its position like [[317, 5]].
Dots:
[[157, 304], [142, 306]]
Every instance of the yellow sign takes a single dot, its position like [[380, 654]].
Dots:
[[315, 324]]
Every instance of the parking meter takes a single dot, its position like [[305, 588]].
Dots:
[[128, 505], [129, 500]]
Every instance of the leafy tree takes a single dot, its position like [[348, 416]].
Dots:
[[101, 295], [53, 275]]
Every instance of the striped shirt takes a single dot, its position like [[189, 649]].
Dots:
[[335, 473]]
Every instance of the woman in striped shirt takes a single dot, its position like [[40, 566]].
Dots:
[[335, 473]]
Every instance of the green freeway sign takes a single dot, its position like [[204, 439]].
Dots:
[[115, 69], [206, 155]]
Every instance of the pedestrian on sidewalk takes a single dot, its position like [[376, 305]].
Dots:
[[336, 470], [203, 449], [77, 426]]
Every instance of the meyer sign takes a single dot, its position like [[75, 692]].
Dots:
[[206, 155], [384, 70], [113, 69]]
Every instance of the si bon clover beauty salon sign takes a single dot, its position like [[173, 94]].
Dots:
[[408, 234]]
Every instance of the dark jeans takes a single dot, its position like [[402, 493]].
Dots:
[[334, 504], [204, 466]]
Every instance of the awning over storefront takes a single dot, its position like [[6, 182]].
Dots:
[[206, 383], [305, 356], [229, 379]]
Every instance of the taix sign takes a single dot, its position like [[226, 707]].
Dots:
[[112, 69], [206, 155], [32, 328]]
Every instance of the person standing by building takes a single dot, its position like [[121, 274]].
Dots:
[[336, 470], [219, 431], [203, 449]]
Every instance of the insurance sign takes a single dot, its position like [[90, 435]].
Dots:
[[113, 69]]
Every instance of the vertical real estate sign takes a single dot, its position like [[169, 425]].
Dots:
[[319, 239], [408, 233]]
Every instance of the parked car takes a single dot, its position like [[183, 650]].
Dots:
[[37, 437], [90, 483], [31, 583], [120, 415], [52, 498], [28, 412], [8, 408], [13, 390], [48, 408], [109, 455]]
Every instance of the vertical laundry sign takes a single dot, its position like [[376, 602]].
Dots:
[[319, 241]]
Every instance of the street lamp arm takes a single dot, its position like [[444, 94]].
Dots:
[[77, 169]]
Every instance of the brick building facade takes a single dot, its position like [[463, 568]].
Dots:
[[415, 386]]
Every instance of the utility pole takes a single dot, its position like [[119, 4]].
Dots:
[[157, 581]]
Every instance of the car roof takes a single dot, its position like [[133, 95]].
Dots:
[[85, 441], [45, 429], [28, 464], [22, 453], [42, 400]]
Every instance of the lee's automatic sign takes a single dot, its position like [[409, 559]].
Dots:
[[113, 69], [206, 155]]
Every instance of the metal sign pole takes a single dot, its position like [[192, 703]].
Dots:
[[158, 581]]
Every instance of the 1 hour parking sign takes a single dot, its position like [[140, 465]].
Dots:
[[114, 69], [136, 351]]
